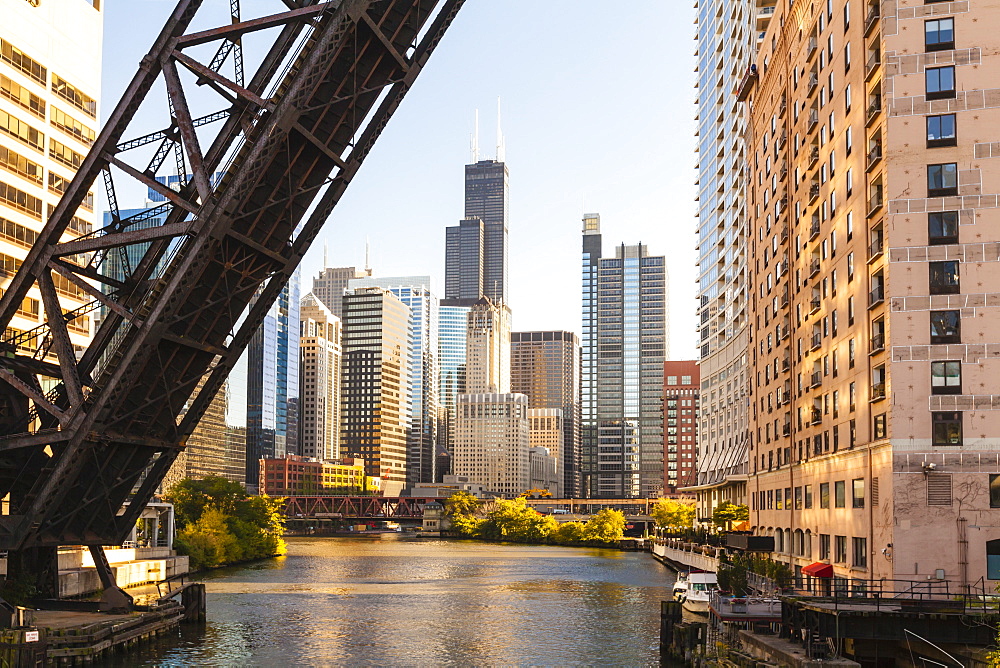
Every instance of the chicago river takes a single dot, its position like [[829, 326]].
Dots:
[[399, 600]]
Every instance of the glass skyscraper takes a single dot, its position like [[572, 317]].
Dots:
[[624, 347], [452, 327], [273, 383], [417, 292]]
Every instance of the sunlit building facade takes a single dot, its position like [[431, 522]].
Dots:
[[319, 379]]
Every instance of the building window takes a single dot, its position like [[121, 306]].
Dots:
[[809, 496], [941, 131], [824, 546], [942, 228], [939, 34], [993, 559], [944, 277], [798, 498], [942, 179], [858, 493], [840, 494], [860, 549], [946, 377], [946, 326], [879, 427], [940, 82], [824, 495], [840, 549], [995, 490], [946, 428]]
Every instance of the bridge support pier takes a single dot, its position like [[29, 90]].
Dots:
[[114, 599]]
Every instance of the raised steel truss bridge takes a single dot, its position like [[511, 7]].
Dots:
[[266, 120]]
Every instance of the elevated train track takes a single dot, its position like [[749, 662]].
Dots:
[[86, 433]]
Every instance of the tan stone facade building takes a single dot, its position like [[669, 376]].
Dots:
[[875, 287]]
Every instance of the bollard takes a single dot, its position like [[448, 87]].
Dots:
[[193, 600]]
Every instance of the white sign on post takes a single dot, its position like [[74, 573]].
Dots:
[[31, 636]]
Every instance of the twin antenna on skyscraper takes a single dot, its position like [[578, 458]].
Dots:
[[501, 147]]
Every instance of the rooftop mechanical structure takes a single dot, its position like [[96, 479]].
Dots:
[[86, 435]]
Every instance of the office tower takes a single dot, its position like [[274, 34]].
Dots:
[[545, 438], [728, 34], [546, 367], [875, 289], [50, 78], [305, 476], [625, 343], [418, 294], [375, 416], [452, 332], [680, 424], [273, 383], [476, 249], [331, 284], [492, 442], [464, 248], [319, 380], [487, 366]]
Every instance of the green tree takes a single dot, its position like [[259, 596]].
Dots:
[[466, 525], [607, 526], [514, 520], [668, 513], [568, 533], [726, 513], [192, 497], [461, 503]]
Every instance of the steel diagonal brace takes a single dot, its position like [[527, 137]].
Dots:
[[147, 180], [35, 395], [403, 63], [211, 75], [92, 291], [107, 241], [60, 336], [235, 30], [186, 127]]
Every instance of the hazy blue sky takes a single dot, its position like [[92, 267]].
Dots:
[[598, 116]]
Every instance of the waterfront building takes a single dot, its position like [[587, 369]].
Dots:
[[476, 249], [546, 433], [546, 367], [417, 292], [680, 424], [331, 284], [375, 404], [728, 33], [319, 380], [453, 326], [50, 81], [492, 442], [874, 284], [624, 347], [487, 362], [307, 476], [272, 388]]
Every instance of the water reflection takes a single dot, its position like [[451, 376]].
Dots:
[[394, 600]]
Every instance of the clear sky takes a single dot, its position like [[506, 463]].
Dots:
[[598, 114]]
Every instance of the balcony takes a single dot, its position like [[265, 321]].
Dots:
[[878, 392], [783, 237], [876, 247], [782, 269], [817, 416], [813, 120], [814, 227], [783, 139], [813, 83], [875, 202], [871, 20], [817, 340], [811, 47], [747, 83], [874, 61], [876, 296], [784, 295], [814, 192], [814, 305], [786, 363], [816, 379], [874, 156], [874, 109], [813, 268], [786, 429], [783, 173], [783, 332], [813, 156], [877, 343]]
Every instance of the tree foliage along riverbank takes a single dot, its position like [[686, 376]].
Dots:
[[514, 520], [220, 524]]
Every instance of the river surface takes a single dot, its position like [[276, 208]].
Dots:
[[395, 600]]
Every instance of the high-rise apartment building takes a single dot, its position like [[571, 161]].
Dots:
[[50, 79], [272, 388], [874, 289], [319, 380], [476, 249], [546, 367], [375, 404], [728, 33], [453, 326], [331, 284], [487, 364], [492, 442], [417, 292], [680, 424], [545, 437], [624, 347]]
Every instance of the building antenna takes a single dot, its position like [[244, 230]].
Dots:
[[325, 255], [475, 140], [368, 267], [501, 149]]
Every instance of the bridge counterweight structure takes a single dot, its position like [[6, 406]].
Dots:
[[84, 435]]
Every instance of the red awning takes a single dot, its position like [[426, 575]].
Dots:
[[819, 570]]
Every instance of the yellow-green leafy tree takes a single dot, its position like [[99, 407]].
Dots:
[[727, 513], [607, 526], [671, 514]]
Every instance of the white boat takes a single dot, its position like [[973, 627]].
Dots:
[[696, 592], [680, 586]]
